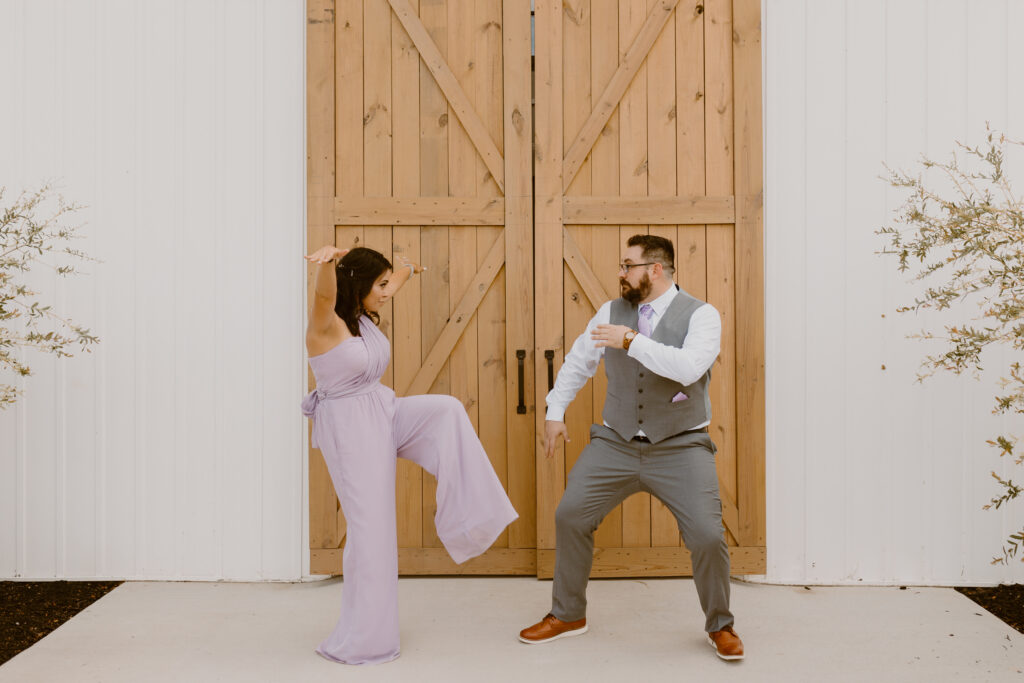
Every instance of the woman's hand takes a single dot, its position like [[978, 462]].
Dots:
[[416, 268], [325, 254]]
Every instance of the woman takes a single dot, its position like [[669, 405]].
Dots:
[[360, 427]]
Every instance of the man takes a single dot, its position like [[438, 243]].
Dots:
[[658, 345]]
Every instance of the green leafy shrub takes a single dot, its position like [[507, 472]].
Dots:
[[32, 230]]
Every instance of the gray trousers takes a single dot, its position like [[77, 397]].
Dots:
[[680, 472]]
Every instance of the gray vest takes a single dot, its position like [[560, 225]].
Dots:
[[641, 399]]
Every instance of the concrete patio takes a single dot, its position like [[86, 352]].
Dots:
[[465, 629]]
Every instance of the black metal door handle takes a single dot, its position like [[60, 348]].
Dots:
[[521, 357], [549, 355]]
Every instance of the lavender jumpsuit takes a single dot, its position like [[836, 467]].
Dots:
[[360, 426]]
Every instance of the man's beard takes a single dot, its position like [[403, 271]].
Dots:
[[635, 295]]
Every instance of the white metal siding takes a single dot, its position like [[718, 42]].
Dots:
[[871, 477], [175, 449]]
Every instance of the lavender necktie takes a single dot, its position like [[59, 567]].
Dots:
[[644, 325]]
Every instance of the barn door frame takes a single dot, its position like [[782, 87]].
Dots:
[[334, 201], [554, 173]]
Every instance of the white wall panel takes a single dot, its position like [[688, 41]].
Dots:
[[175, 449], [872, 477]]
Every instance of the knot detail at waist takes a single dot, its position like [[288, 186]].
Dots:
[[314, 398]]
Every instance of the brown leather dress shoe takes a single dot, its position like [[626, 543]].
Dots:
[[726, 643], [552, 628]]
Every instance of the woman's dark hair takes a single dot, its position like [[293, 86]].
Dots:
[[356, 273]]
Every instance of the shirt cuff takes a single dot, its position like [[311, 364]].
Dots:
[[637, 345], [556, 413]]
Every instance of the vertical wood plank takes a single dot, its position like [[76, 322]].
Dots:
[[661, 182], [719, 164], [463, 161], [691, 248], [348, 111], [633, 176], [377, 132], [490, 372], [519, 272], [750, 271], [350, 46], [577, 104], [326, 528], [604, 161], [406, 329], [548, 254], [434, 125]]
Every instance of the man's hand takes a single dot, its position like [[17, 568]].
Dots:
[[552, 430], [609, 335]]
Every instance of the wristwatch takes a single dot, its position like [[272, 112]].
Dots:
[[628, 338]]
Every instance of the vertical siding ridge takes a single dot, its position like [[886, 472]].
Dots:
[[141, 512], [178, 60], [259, 58], [60, 374], [299, 293], [844, 355], [847, 571], [803, 449], [884, 346], [1006, 575], [20, 416], [925, 463], [99, 389], [218, 181], [965, 399]]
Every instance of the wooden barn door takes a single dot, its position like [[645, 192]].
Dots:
[[419, 132], [649, 121]]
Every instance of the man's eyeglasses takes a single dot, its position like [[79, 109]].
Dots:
[[627, 266]]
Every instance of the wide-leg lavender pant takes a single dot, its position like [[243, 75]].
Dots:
[[472, 508]]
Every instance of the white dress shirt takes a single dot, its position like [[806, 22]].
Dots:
[[685, 365]]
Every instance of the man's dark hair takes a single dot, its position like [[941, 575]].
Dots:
[[657, 249]]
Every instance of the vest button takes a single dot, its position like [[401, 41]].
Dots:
[[641, 421], [641, 407], [640, 391], [641, 374]]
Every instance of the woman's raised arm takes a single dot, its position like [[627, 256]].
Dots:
[[325, 294], [403, 271]]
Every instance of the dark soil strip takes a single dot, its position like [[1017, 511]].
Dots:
[[29, 610], [1005, 602]]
